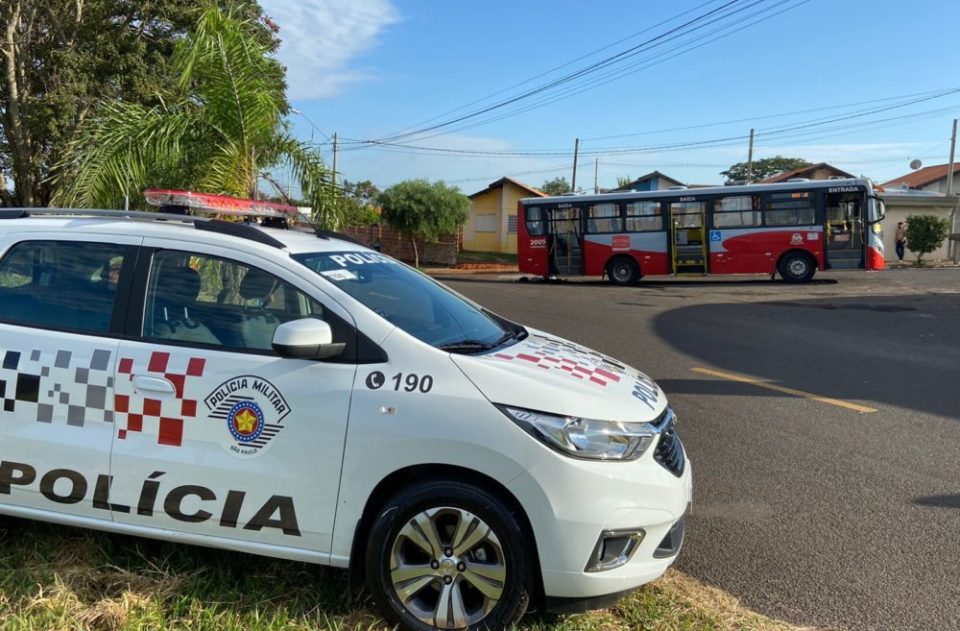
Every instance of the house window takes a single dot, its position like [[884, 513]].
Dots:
[[604, 218], [790, 209], [486, 223], [736, 211], [511, 224], [644, 217]]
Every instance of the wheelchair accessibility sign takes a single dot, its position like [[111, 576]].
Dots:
[[715, 236]]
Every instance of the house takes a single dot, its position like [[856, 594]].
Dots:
[[900, 204], [819, 171], [927, 179], [653, 181], [920, 192], [492, 223]]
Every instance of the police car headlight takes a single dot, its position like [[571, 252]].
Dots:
[[583, 437]]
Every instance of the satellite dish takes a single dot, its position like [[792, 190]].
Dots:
[[915, 164]]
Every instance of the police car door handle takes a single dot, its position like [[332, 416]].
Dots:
[[153, 384]]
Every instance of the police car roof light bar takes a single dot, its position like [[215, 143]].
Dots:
[[220, 204]]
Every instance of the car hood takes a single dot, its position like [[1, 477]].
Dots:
[[549, 374]]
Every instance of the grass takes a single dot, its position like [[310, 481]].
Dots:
[[53, 577], [499, 258]]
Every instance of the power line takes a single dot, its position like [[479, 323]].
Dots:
[[785, 131], [565, 167], [623, 72], [314, 126], [903, 100], [753, 119], [689, 26], [554, 69]]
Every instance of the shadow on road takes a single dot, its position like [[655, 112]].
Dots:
[[900, 351], [939, 501]]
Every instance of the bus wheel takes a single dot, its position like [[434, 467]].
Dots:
[[797, 267], [623, 270]]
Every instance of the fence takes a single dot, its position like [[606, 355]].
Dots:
[[443, 251]]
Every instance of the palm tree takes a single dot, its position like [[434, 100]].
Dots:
[[222, 124]]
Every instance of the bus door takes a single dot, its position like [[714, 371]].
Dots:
[[688, 237], [844, 228], [565, 240]]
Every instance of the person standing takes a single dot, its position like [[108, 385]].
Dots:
[[901, 238]]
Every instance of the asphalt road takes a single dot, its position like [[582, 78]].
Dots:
[[805, 510]]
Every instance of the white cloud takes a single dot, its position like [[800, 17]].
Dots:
[[321, 37]]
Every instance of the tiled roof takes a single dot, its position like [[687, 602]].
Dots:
[[804, 171], [921, 177], [536, 192]]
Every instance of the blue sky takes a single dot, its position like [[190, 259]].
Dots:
[[371, 68]]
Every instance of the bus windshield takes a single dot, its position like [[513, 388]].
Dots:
[[412, 301]]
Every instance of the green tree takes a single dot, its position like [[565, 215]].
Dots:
[[58, 60], [762, 169], [365, 192], [926, 233], [419, 208], [359, 201], [216, 130], [557, 186], [624, 181]]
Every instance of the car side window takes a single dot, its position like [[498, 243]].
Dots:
[[207, 300], [68, 285]]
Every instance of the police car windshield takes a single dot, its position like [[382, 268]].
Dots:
[[410, 300]]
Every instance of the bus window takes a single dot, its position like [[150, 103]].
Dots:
[[790, 209], [604, 218], [736, 211], [534, 219], [644, 217]]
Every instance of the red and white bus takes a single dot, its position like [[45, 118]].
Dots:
[[792, 228]]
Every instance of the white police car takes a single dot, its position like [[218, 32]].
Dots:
[[298, 395]]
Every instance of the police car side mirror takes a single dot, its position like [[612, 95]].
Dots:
[[308, 338]]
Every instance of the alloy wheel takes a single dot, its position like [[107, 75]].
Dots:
[[447, 567]]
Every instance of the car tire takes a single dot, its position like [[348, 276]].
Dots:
[[623, 270], [420, 576], [797, 267]]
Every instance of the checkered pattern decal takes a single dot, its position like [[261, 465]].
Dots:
[[54, 386], [163, 419], [551, 354]]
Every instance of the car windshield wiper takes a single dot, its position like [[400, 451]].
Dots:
[[466, 346], [506, 337]]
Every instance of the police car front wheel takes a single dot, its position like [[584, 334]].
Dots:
[[448, 555]]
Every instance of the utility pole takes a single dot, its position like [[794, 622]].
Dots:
[[953, 149], [750, 160], [576, 154], [954, 243], [334, 159], [596, 174]]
